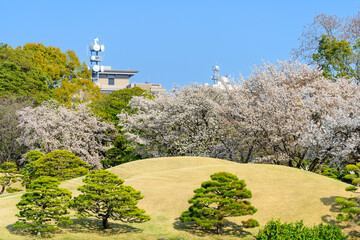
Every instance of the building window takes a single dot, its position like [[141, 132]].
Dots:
[[111, 81]]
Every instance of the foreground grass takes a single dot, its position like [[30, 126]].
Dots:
[[167, 183]]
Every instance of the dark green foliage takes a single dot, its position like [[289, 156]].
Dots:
[[275, 230], [122, 152], [112, 104], [8, 175], [59, 164], [43, 207], [10, 149], [330, 171], [103, 196], [107, 108], [222, 196]]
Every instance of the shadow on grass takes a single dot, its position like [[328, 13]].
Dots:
[[82, 226], [190, 227], [352, 229], [95, 226], [336, 208], [17, 231]]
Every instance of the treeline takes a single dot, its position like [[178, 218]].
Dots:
[[286, 113]]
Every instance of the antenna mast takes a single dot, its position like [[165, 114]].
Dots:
[[216, 76], [95, 59]]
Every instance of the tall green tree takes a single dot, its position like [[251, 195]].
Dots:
[[104, 197], [107, 108], [337, 58], [43, 207], [65, 75], [19, 77], [223, 196], [110, 105]]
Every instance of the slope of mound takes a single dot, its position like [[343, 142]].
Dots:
[[167, 183]]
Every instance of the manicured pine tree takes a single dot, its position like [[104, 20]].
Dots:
[[350, 207], [8, 175], [217, 199], [44, 206], [103, 196], [59, 164]]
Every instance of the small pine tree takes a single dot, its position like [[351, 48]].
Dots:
[[218, 198], [103, 196], [32, 156], [8, 175], [59, 164], [43, 207], [350, 207]]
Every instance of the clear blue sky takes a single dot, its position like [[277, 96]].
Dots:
[[169, 42]]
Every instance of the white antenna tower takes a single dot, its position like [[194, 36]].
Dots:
[[216, 76], [95, 49]]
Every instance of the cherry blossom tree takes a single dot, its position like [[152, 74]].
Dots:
[[285, 113], [51, 126]]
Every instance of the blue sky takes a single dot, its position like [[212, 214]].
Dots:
[[169, 42]]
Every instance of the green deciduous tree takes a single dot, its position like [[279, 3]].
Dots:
[[337, 58], [43, 207], [107, 108], [223, 196], [19, 77], [8, 175], [69, 79], [103, 196], [110, 105], [59, 164]]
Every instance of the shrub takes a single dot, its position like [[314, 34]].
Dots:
[[288, 231], [250, 223]]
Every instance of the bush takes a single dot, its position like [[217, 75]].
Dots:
[[250, 223], [289, 231]]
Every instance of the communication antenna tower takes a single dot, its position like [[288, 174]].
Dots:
[[95, 59], [216, 76]]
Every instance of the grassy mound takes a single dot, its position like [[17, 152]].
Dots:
[[167, 183]]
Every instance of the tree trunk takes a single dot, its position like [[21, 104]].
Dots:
[[219, 228], [105, 223]]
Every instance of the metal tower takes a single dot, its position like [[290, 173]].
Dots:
[[95, 59], [216, 76]]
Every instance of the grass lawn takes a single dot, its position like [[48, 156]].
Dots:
[[167, 183]]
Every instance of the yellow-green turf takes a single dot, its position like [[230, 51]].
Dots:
[[279, 192]]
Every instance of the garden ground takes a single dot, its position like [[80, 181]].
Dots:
[[279, 192]]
